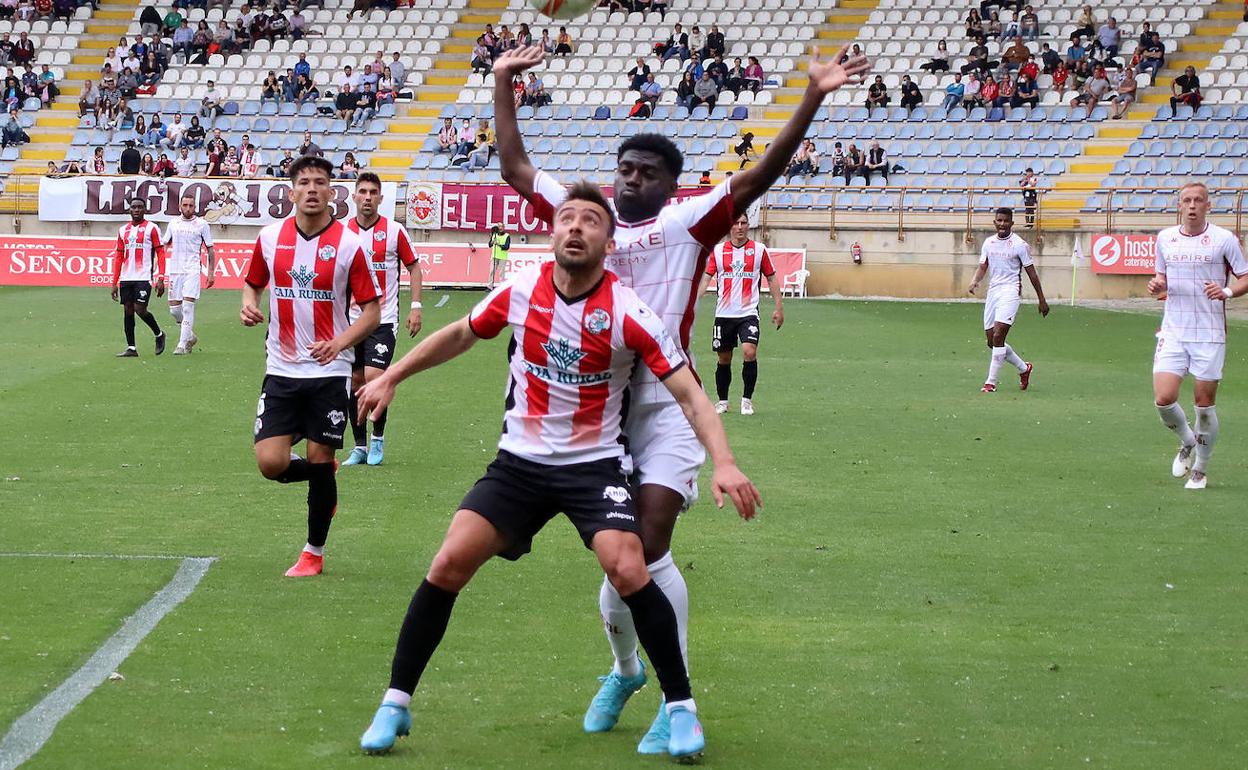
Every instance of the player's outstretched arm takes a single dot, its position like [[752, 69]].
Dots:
[[438, 348], [1034, 277], [979, 276], [326, 351], [825, 77], [727, 478], [517, 170]]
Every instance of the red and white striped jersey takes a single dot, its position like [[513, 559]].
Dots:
[[188, 237], [386, 245], [661, 259], [313, 280], [1187, 261], [139, 254], [737, 270], [570, 363]]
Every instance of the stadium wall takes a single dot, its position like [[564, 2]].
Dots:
[[927, 264]]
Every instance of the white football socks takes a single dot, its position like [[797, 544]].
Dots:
[[618, 621], [994, 364], [188, 323], [687, 704], [1172, 417], [1206, 436], [176, 312], [1014, 359], [397, 697], [315, 550]]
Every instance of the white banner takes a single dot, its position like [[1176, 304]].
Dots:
[[220, 201]]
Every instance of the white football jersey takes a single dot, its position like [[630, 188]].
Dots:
[[1006, 258], [1187, 262], [188, 238]]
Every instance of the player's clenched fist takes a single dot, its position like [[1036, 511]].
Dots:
[[729, 480], [250, 315], [1157, 285]]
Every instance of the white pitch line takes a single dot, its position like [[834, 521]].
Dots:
[[33, 729], [122, 556], [445, 299]]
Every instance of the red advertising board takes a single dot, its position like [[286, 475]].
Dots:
[[1124, 254]]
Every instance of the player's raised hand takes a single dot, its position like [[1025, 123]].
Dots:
[[1214, 292], [414, 322], [777, 318], [324, 351], [373, 398], [1157, 285], [728, 479], [250, 315], [517, 60], [831, 74]]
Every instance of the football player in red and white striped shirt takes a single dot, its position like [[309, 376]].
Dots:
[[577, 332], [314, 268], [661, 253], [388, 250], [138, 263], [738, 266]]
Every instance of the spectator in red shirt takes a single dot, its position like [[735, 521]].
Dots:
[[23, 50]]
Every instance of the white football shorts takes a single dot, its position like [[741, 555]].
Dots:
[[1203, 360], [1000, 307], [664, 448], [183, 286]]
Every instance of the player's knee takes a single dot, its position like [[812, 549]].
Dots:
[[725, 356], [272, 467], [450, 570], [626, 573], [749, 352]]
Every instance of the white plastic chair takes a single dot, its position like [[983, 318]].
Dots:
[[795, 283]]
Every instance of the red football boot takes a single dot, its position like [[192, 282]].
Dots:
[[1024, 377], [309, 564]]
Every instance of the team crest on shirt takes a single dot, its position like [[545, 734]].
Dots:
[[562, 354], [598, 321], [1205, 241], [326, 253], [379, 235], [336, 417]]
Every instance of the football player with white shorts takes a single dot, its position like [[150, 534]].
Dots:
[[1003, 258], [1194, 261], [190, 236]]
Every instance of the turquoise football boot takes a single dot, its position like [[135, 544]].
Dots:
[[658, 737], [357, 457], [687, 742], [604, 710], [389, 723], [376, 451]]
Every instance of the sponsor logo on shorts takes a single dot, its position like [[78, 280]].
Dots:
[[259, 409], [336, 417], [753, 329], [259, 425], [381, 349], [618, 515], [617, 495], [598, 321]]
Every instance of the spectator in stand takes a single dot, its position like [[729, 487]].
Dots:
[[303, 66], [368, 77], [1005, 91], [992, 27], [147, 167], [715, 45], [230, 165], [855, 163], [150, 21], [974, 64], [734, 78], [718, 70], [175, 133], [754, 75], [705, 179], [87, 100], [250, 160], [1030, 184], [150, 72], [128, 83], [349, 168], [1185, 90], [637, 75], [1075, 52], [467, 140], [25, 10], [30, 80], [506, 40], [684, 91], [279, 25], [194, 136], [1108, 39], [524, 36], [677, 44], [971, 94], [271, 89], [745, 148], [1125, 97], [535, 92], [347, 77], [1029, 24], [8, 8], [48, 89], [1016, 55], [310, 147], [705, 91], [298, 25], [989, 90], [697, 41], [129, 161], [109, 105], [164, 167], [1085, 23], [563, 43], [155, 132], [1049, 59], [223, 37], [1061, 77], [800, 164], [13, 132], [1094, 90], [386, 89], [650, 91], [1153, 57], [911, 97], [365, 106], [23, 50], [210, 102], [838, 160], [1025, 93], [184, 166], [877, 161], [479, 157], [215, 161], [283, 166], [201, 41], [306, 91], [1080, 74], [172, 21], [954, 92], [547, 43], [694, 66], [974, 24], [1147, 38], [940, 59], [97, 165], [6, 45], [345, 103], [399, 70], [63, 10], [1030, 68], [482, 58], [877, 94], [447, 136]]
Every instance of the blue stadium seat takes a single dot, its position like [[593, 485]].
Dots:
[[977, 114], [917, 114], [1224, 167], [995, 114], [260, 125], [1054, 167], [1038, 115], [1197, 148], [1184, 112]]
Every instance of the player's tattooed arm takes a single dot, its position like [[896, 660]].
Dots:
[[438, 348], [517, 170], [1034, 277], [979, 276], [727, 478], [826, 76]]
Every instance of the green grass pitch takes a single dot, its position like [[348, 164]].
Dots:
[[939, 578]]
